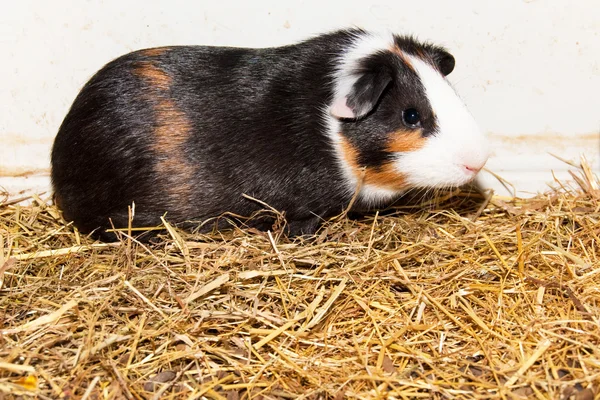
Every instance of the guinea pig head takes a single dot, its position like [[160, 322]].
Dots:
[[396, 121]]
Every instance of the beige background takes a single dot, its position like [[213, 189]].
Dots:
[[528, 70]]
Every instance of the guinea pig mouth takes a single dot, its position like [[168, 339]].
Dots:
[[466, 172]]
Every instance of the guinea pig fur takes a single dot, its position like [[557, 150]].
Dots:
[[185, 131]]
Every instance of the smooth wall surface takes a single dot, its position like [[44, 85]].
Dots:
[[529, 70]]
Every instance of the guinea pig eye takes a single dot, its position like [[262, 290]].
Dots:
[[411, 118]]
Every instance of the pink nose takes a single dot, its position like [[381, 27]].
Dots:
[[473, 168]]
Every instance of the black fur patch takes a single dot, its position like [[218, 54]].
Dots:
[[254, 125], [404, 90]]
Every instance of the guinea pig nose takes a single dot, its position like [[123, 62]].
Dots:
[[475, 168]]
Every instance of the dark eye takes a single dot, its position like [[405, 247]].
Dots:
[[411, 118]]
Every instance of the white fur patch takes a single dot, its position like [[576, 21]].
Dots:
[[459, 143], [365, 44], [443, 160]]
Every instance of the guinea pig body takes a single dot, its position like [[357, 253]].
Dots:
[[186, 131]]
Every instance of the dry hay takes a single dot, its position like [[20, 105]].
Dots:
[[453, 300]]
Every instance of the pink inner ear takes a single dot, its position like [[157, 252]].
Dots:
[[339, 109]]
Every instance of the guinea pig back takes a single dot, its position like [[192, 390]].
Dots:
[[185, 131]]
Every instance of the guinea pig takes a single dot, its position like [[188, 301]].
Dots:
[[186, 131]]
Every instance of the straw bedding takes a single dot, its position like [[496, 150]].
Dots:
[[468, 296]]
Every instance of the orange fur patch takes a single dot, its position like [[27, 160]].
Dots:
[[405, 141], [384, 176], [420, 54], [396, 50], [171, 133], [152, 74], [172, 128], [154, 52]]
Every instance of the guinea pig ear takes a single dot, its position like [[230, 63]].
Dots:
[[444, 61], [362, 97]]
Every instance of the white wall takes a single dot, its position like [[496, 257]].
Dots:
[[529, 70]]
